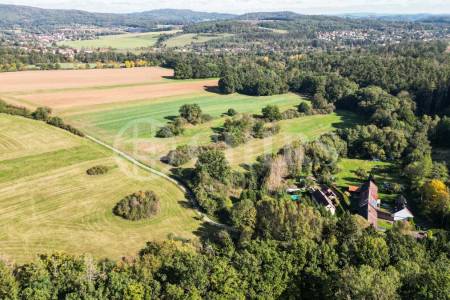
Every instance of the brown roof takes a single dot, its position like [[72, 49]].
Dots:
[[321, 198], [368, 202], [352, 188]]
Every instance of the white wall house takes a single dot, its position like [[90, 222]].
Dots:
[[403, 214]]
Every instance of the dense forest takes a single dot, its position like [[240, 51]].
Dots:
[[294, 253]]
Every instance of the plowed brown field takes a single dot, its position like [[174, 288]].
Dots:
[[71, 99], [76, 89], [66, 79]]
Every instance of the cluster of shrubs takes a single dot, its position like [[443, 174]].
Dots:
[[305, 109], [13, 110], [58, 122], [239, 129], [184, 153], [41, 114], [172, 129], [97, 170], [138, 206], [189, 113]]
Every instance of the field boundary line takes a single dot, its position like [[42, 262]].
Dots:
[[145, 167]]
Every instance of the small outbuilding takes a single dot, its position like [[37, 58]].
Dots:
[[324, 197], [402, 212]]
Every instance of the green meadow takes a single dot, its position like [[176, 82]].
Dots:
[[50, 204], [383, 173], [126, 41], [132, 127], [192, 38]]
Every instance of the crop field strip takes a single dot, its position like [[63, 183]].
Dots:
[[193, 38], [29, 81], [74, 212], [126, 41]]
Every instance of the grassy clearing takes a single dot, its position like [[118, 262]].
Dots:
[[274, 30], [192, 38], [48, 203], [107, 121], [305, 128], [120, 41], [384, 172], [132, 127]]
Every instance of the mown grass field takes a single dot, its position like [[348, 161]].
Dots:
[[182, 40], [384, 173], [48, 203], [132, 127], [125, 41]]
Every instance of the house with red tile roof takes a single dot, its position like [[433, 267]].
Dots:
[[369, 202]]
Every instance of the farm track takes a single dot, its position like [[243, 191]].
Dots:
[[178, 184]]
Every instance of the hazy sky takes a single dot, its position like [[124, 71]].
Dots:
[[241, 6]]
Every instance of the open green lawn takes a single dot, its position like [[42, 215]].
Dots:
[[141, 119], [192, 38], [118, 41], [48, 203], [384, 172]]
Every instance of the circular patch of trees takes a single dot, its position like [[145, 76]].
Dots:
[[138, 206], [97, 170]]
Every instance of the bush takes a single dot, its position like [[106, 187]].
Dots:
[[305, 108], [165, 132], [181, 155], [72, 130], [55, 121], [191, 112], [206, 118], [177, 126], [41, 113], [138, 206], [231, 112], [14, 110], [261, 130], [97, 170], [271, 113], [290, 114]]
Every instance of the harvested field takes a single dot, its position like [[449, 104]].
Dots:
[[48, 203], [31, 81], [72, 99]]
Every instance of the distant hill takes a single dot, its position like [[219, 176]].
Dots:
[[180, 15], [277, 15], [425, 18], [31, 16]]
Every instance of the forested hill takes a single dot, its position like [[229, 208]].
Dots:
[[276, 15], [31, 16]]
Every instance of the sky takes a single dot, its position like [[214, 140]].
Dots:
[[243, 6]]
